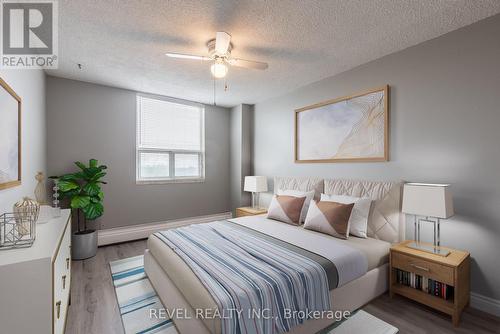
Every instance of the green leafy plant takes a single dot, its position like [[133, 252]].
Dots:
[[83, 189]]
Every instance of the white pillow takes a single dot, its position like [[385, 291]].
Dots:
[[297, 193], [358, 222]]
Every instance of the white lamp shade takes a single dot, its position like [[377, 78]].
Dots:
[[255, 184], [432, 200]]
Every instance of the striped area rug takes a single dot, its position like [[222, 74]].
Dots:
[[136, 297]]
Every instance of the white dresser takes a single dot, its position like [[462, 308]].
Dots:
[[35, 282]]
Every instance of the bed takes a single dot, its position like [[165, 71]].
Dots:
[[180, 288]]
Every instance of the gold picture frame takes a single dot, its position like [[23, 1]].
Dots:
[[6, 108], [320, 138]]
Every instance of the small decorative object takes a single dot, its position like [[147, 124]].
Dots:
[[83, 189], [40, 192], [17, 230], [347, 129], [10, 137], [25, 212], [56, 208], [255, 185], [428, 203]]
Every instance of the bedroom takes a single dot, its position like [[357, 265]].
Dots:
[[331, 135]]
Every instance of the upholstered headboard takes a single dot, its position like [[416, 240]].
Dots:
[[386, 222], [299, 183]]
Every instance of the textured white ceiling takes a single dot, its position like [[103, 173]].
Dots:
[[122, 43]]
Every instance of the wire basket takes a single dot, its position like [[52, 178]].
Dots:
[[17, 230]]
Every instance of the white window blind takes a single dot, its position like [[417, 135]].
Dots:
[[170, 140]]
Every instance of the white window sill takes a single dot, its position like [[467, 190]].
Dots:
[[167, 181]]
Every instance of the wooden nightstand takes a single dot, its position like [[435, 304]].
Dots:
[[452, 270], [249, 211]]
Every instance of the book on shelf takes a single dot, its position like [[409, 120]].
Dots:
[[424, 284]]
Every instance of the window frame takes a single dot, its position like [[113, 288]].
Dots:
[[171, 152]]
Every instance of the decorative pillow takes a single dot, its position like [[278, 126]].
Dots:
[[358, 223], [330, 218], [297, 193], [286, 209]]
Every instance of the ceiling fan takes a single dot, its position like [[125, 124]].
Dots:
[[219, 52]]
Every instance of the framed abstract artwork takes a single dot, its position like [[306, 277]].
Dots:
[[10, 137], [347, 129]]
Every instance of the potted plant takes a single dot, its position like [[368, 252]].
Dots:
[[83, 190]]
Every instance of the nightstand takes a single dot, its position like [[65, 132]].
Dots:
[[249, 211], [440, 282]]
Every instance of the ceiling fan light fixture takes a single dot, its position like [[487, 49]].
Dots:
[[219, 54], [219, 70]]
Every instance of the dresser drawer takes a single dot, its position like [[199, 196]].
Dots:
[[61, 281], [62, 264], [422, 267], [60, 309]]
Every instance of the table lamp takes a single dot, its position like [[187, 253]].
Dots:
[[428, 203], [255, 185]]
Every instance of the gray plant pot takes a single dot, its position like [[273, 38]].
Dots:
[[84, 244]]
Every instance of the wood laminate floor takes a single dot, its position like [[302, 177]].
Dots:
[[94, 310]]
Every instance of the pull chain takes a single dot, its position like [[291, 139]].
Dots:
[[215, 104]]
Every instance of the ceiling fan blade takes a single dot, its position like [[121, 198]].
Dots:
[[256, 65], [184, 56], [222, 40]]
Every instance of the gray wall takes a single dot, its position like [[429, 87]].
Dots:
[[444, 123], [241, 150], [93, 121], [30, 86]]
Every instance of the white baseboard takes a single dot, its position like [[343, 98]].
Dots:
[[485, 304], [142, 231]]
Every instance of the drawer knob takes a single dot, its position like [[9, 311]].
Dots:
[[67, 263], [64, 281], [58, 308], [420, 267]]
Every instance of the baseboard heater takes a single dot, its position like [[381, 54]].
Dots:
[[142, 231]]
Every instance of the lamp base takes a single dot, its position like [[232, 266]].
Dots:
[[255, 201], [428, 248]]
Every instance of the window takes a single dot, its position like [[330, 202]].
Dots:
[[170, 141]]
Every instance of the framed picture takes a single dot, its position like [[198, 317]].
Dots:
[[348, 129], [10, 137]]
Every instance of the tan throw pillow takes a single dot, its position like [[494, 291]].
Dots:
[[330, 218], [309, 195], [358, 223], [286, 209]]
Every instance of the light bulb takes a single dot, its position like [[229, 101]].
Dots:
[[219, 70]]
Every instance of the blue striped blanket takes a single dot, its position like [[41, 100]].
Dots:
[[257, 284]]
